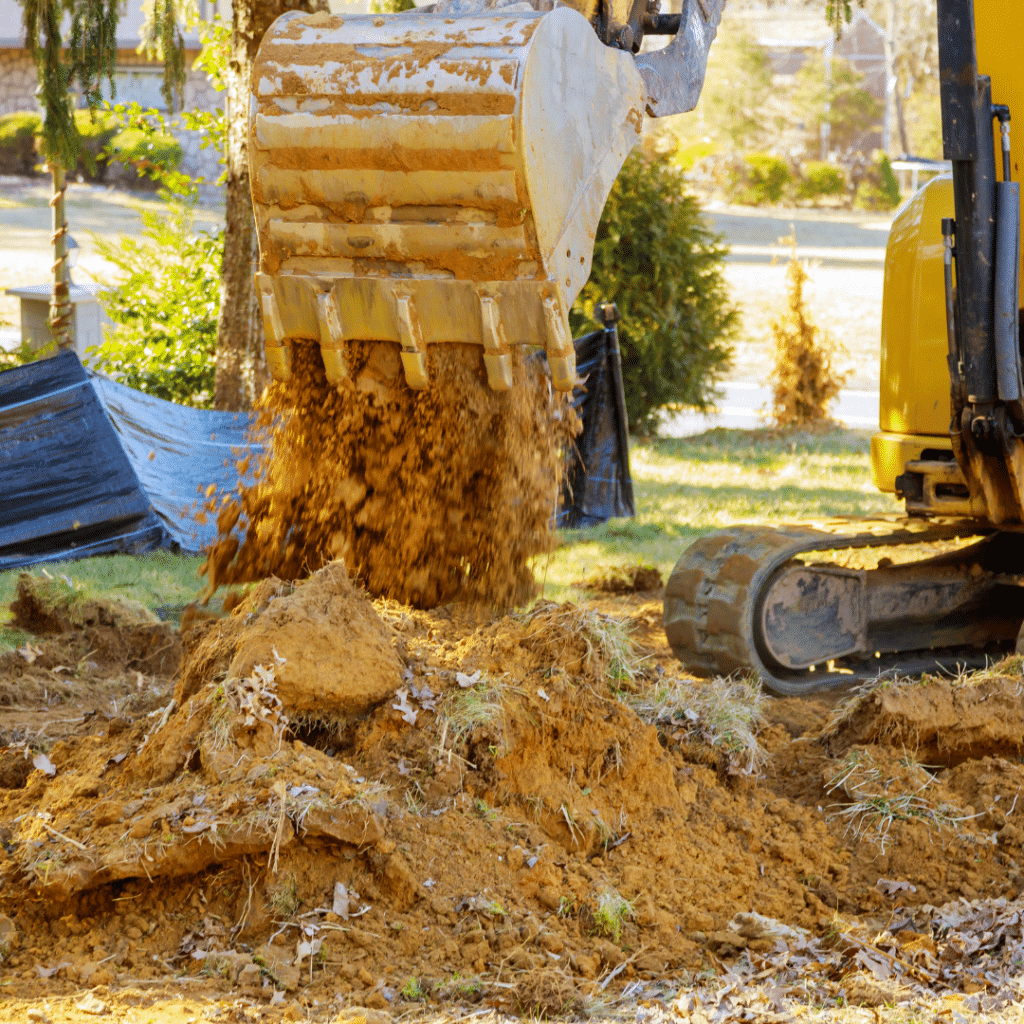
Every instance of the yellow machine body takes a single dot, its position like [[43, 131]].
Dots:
[[914, 409]]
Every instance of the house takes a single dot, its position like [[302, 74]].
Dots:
[[789, 42], [135, 77]]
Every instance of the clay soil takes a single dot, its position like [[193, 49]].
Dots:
[[323, 805]]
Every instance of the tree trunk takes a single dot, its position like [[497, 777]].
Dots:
[[241, 369], [60, 297]]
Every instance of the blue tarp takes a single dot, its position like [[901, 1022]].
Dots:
[[89, 467]]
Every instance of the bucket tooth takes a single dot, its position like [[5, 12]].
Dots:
[[561, 354], [412, 344], [332, 337], [276, 346], [499, 369]]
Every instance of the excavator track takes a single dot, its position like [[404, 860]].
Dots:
[[717, 622]]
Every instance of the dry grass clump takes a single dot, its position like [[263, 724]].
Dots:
[[724, 714], [467, 709], [805, 381], [885, 790], [611, 914], [583, 641]]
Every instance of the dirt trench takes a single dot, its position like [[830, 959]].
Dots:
[[364, 804]]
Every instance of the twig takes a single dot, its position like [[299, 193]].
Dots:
[[618, 970], [60, 835], [275, 848]]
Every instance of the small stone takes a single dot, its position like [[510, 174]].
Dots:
[[87, 788], [287, 976], [249, 977], [141, 828], [365, 976], [515, 858], [549, 896], [376, 1001], [588, 964]]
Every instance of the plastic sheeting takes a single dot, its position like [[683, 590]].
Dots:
[[598, 485], [176, 453], [91, 467]]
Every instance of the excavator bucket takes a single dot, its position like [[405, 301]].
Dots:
[[420, 179]]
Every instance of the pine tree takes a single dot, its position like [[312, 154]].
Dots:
[[81, 63]]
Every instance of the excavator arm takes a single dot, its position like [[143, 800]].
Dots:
[[437, 176]]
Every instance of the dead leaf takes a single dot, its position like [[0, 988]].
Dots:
[[30, 652], [409, 713], [49, 972], [90, 1004], [891, 886]]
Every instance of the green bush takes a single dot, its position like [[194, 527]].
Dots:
[[821, 179], [880, 190], [18, 142], [143, 150], [97, 130], [165, 308], [763, 179], [656, 258]]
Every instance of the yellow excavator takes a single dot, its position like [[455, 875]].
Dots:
[[813, 606]]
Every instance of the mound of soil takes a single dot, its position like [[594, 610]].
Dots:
[[78, 636], [428, 496], [326, 648], [941, 722], [461, 834], [625, 579]]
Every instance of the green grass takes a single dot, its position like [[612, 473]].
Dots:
[[686, 488]]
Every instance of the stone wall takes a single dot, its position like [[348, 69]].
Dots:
[[18, 87], [17, 82]]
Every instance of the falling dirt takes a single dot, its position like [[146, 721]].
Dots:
[[427, 496], [345, 802]]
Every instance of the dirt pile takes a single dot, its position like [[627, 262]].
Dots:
[[942, 721], [624, 579], [116, 634], [525, 811], [428, 496]]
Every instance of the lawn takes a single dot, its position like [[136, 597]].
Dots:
[[684, 488], [688, 487]]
